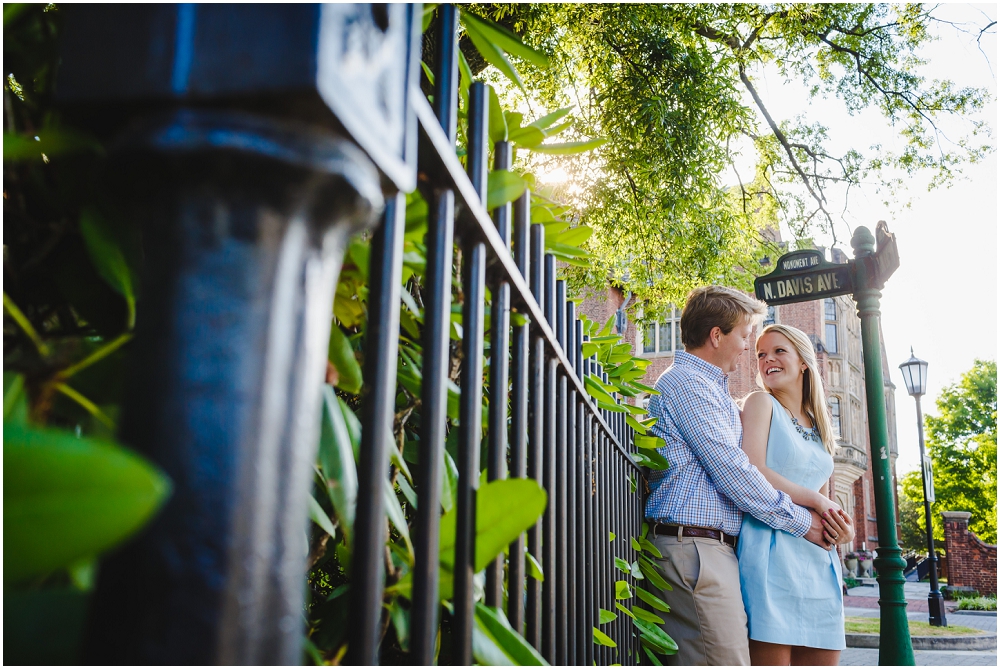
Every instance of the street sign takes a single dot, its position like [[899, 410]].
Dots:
[[928, 479], [801, 276], [886, 255]]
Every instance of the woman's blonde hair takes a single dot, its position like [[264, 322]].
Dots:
[[813, 395]]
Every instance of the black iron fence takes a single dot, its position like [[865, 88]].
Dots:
[[218, 577]]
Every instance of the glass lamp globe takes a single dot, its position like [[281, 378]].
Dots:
[[914, 375]]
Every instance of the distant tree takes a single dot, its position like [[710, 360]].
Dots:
[[962, 443], [911, 524]]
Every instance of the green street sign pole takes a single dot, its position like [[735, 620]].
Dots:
[[895, 647]]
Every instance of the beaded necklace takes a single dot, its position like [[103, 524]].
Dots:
[[812, 433]]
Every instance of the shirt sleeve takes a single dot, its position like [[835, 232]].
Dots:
[[728, 467]]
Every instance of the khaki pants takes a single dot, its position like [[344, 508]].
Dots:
[[707, 618]]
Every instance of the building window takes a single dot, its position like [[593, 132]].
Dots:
[[835, 416], [830, 312], [663, 336], [830, 306], [771, 317]]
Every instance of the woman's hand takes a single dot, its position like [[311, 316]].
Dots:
[[837, 526], [823, 503]]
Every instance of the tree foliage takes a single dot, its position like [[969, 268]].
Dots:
[[674, 89], [962, 443]]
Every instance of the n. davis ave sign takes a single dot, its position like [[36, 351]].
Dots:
[[804, 275]]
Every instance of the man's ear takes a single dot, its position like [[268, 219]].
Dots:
[[715, 336]]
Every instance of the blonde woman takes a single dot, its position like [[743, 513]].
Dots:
[[791, 587]]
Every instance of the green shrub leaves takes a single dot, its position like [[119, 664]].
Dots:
[[67, 498]]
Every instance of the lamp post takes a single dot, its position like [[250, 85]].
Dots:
[[915, 377]]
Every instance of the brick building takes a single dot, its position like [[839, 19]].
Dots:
[[835, 329]]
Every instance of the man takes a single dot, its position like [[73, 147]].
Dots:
[[695, 507]]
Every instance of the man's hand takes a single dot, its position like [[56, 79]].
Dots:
[[816, 531]]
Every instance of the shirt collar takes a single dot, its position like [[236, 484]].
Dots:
[[701, 366]]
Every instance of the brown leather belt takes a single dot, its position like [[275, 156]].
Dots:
[[688, 531]]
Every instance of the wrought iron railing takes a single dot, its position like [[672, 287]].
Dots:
[[557, 435], [218, 167]]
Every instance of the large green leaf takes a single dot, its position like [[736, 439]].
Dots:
[[341, 354], [606, 616], [546, 121], [573, 236], [504, 39], [652, 572], [336, 457], [603, 639], [648, 616], [622, 590], [650, 548], [656, 637], [498, 122], [105, 250], [624, 610], [15, 400], [569, 148], [596, 389], [318, 516], [495, 623], [491, 53], [503, 186], [649, 442], [534, 569], [486, 651], [504, 509], [652, 600], [396, 517], [51, 142], [67, 498], [527, 137]]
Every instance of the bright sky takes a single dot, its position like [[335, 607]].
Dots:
[[942, 300]]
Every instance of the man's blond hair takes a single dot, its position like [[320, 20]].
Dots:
[[716, 306]]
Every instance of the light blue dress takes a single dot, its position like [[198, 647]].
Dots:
[[791, 587]]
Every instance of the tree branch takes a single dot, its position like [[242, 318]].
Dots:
[[783, 140]]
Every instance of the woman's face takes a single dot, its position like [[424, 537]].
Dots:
[[779, 364]]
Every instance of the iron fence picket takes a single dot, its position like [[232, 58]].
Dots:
[[435, 341], [519, 416], [497, 433], [471, 398]]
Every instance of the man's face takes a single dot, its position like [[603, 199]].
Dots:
[[732, 345]]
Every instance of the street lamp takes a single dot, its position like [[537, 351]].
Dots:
[[915, 377]]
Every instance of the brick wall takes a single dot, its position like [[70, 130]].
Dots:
[[971, 563]]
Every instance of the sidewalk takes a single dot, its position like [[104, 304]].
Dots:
[[863, 602]]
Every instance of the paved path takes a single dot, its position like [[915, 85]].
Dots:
[[863, 602], [868, 657]]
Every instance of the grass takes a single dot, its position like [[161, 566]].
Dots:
[[977, 604], [871, 626]]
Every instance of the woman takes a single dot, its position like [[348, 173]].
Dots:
[[791, 587]]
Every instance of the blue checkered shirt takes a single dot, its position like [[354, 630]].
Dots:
[[710, 481]]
